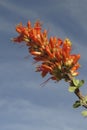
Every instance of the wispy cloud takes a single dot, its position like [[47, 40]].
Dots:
[[22, 114], [18, 10]]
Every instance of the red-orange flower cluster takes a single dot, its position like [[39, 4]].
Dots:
[[53, 53]]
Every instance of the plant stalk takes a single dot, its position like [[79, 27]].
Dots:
[[77, 92], [81, 97]]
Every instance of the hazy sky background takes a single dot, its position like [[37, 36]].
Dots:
[[24, 105]]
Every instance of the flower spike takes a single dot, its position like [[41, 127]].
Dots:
[[54, 56]]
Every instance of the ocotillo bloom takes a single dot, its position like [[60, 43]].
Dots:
[[53, 53]]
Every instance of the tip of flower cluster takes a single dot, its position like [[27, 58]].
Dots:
[[68, 42]]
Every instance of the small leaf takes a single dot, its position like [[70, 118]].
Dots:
[[71, 88], [76, 81], [76, 104], [84, 113], [81, 82]]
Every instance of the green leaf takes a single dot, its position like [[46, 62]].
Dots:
[[76, 82], [71, 88], [84, 113], [81, 82], [76, 104]]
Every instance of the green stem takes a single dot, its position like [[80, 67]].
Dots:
[[77, 92], [81, 97]]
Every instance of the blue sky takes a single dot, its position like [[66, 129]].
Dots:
[[24, 105]]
